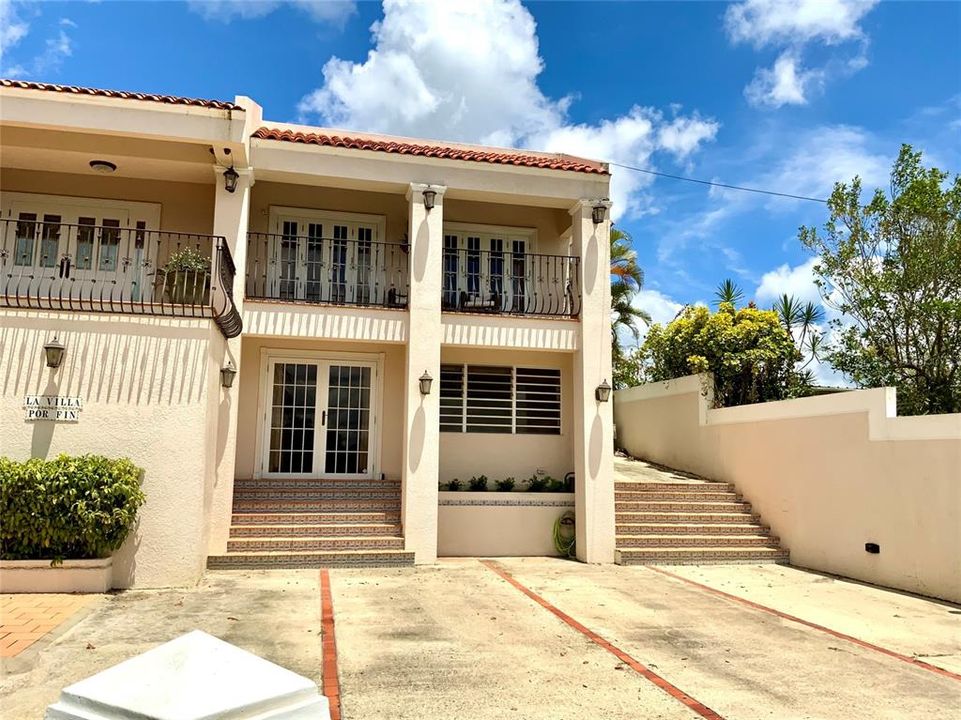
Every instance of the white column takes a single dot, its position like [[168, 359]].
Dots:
[[231, 211], [593, 420], [422, 419]]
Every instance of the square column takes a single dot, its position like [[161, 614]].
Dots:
[[231, 213], [593, 420], [422, 412]]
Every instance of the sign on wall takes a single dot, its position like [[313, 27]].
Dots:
[[59, 408]]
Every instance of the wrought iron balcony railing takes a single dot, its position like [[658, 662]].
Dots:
[[110, 268], [333, 271], [487, 281]]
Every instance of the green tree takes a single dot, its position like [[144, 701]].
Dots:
[[728, 291], [802, 323], [750, 353], [627, 277], [893, 270]]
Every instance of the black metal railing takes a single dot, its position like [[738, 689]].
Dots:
[[114, 268], [335, 271], [486, 281]]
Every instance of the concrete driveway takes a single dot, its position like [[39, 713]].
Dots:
[[543, 638]]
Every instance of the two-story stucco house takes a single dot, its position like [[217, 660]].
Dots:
[[298, 333]]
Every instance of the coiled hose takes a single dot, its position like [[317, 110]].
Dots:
[[564, 535]]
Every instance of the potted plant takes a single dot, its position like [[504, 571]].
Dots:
[[186, 277]]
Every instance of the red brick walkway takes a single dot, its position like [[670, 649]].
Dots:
[[24, 619]]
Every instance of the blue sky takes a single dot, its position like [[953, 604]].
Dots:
[[788, 96]]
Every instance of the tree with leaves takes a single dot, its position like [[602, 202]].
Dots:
[[892, 268], [627, 277]]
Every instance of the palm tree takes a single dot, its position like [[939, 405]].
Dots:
[[728, 292], [626, 279]]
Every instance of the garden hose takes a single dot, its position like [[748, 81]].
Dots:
[[564, 536]]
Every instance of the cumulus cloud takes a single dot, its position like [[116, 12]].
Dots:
[[791, 25], [13, 28], [468, 72], [797, 281], [331, 11]]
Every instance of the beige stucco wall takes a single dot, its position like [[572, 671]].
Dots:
[[146, 384], [505, 525], [828, 474], [499, 455], [251, 377], [184, 207]]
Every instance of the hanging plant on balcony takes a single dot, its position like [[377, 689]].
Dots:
[[186, 277]]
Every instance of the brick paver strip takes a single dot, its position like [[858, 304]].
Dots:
[[328, 646], [807, 623], [24, 619], [701, 709]]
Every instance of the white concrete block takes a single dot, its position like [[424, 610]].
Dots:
[[194, 677]]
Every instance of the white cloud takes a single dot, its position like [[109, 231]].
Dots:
[[787, 83], [13, 29], [791, 25], [332, 11], [468, 72], [797, 281]]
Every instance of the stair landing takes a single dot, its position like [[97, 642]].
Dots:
[[668, 517], [323, 523]]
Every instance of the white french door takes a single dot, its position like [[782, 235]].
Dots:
[[319, 419], [485, 270]]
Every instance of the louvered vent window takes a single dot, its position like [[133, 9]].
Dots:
[[488, 399]]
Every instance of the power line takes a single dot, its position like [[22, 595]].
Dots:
[[717, 184]]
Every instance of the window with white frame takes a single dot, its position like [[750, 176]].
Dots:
[[497, 399]]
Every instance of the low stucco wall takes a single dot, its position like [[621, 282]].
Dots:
[[486, 524], [150, 390], [828, 474]]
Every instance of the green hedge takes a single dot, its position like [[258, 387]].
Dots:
[[68, 508]]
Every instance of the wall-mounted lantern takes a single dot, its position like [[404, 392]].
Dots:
[[429, 197], [227, 374], [231, 177], [425, 383], [603, 392], [598, 213], [53, 351]]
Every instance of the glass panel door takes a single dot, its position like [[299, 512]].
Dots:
[[347, 450], [293, 418]]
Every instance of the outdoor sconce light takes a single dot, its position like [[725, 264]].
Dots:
[[425, 382], [598, 213], [54, 352], [231, 177], [227, 374], [429, 196], [603, 392]]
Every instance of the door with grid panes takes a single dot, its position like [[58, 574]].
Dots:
[[483, 270], [319, 418], [72, 246], [321, 260]]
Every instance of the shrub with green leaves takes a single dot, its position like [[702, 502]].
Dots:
[[478, 484], [536, 483], [505, 485], [454, 484], [67, 508]]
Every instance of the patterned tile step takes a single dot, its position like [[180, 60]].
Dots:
[[316, 506], [681, 506], [693, 486], [679, 541], [314, 518], [310, 560], [676, 496], [295, 494], [663, 528], [313, 530], [362, 543], [684, 517], [699, 556], [320, 483]]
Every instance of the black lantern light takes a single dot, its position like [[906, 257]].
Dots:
[[598, 213], [231, 177], [227, 374], [54, 353], [425, 383], [603, 392], [429, 196]]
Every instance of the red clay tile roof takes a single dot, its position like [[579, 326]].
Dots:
[[168, 99], [449, 152]]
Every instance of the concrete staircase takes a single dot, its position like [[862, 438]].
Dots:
[[322, 523], [668, 518]]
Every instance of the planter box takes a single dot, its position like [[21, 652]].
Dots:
[[497, 524], [73, 576]]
